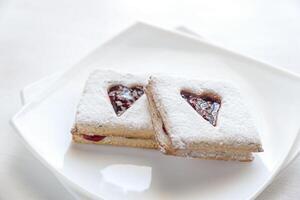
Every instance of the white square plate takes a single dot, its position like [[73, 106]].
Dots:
[[124, 173], [34, 89]]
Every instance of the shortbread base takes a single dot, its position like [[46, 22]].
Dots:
[[151, 144], [119, 141], [226, 156], [115, 132]]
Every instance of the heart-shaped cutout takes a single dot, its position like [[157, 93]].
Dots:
[[206, 104], [122, 97]]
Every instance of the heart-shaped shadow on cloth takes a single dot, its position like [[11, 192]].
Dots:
[[122, 97], [206, 104]]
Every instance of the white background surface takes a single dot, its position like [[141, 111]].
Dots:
[[38, 38]]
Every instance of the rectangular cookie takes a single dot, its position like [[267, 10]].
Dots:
[[113, 110], [204, 119]]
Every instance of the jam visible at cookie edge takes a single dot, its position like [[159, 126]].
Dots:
[[94, 138], [164, 129], [206, 104], [122, 97]]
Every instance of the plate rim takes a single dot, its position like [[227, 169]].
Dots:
[[48, 90]]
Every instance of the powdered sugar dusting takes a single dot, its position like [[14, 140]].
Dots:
[[234, 126], [96, 110]]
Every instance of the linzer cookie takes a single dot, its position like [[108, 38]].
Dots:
[[113, 110], [203, 119]]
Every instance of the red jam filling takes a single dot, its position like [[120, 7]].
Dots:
[[122, 97], [94, 138], [206, 104], [164, 129]]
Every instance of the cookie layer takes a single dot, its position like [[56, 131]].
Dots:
[[96, 115], [118, 141], [151, 144], [179, 128]]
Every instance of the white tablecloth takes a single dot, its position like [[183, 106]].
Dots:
[[39, 37]]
